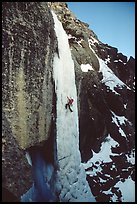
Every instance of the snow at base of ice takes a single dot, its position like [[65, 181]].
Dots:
[[71, 176], [86, 67]]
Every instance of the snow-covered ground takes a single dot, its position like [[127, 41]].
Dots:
[[71, 180]]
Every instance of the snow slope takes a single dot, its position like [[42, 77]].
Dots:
[[109, 78], [71, 182], [107, 177]]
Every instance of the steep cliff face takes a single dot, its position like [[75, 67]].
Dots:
[[16, 172], [28, 48], [38, 74], [28, 45]]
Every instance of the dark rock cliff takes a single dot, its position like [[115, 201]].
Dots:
[[16, 172], [28, 48], [28, 45]]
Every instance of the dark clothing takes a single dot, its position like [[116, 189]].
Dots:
[[68, 105]]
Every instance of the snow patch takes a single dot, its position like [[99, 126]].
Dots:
[[107, 60], [119, 61], [125, 106], [93, 40], [127, 189], [109, 78], [131, 157], [122, 132], [28, 157], [79, 42], [120, 120], [86, 67], [75, 39], [70, 36], [90, 44], [104, 153]]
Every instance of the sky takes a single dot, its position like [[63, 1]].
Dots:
[[112, 22]]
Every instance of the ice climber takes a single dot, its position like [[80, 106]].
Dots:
[[70, 103]]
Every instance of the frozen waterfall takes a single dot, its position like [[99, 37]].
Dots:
[[71, 176]]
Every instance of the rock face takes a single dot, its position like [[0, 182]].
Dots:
[[105, 83], [14, 165], [28, 47]]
